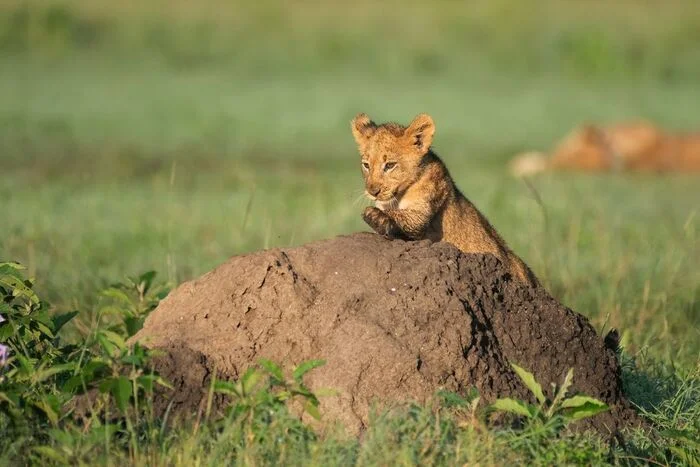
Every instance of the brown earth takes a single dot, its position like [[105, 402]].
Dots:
[[395, 320]]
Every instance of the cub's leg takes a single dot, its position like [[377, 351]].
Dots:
[[412, 222]]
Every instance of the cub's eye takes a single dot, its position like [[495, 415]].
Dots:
[[365, 165], [389, 165]]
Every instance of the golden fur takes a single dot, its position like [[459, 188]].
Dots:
[[414, 195], [633, 146]]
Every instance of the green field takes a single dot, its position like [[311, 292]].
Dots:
[[167, 136]]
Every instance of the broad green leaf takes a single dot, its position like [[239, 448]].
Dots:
[[305, 367], [119, 311], [116, 294], [25, 364], [114, 338], [133, 359], [44, 373], [585, 411], [162, 294], [303, 392], [133, 325], [6, 331], [73, 383], [250, 379], [108, 347], [579, 407], [568, 381], [514, 406], [61, 320], [52, 454], [561, 392], [42, 316], [578, 401], [50, 413], [312, 409], [284, 395], [531, 383], [226, 387], [5, 398], [93, 365], [106, 385], [44, 329], [147, 381], [272, 368], [146, 280], [18, 288], [121, 391], [11, 270]]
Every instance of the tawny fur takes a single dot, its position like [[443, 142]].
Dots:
[[632, 146], [415, 197]]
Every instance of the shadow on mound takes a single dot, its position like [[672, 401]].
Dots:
[[395, 321]]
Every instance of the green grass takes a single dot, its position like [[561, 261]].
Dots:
[[137, 137], [124, 171]]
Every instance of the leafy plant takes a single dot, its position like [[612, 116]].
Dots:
[[267, 387], [33, 359], [560, 410], [258, 408], [40, 374], [133, 300], [464, 408], [119, 372], [112, 379]]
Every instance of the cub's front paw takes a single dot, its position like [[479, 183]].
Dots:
[[373, 217], [381, 222]]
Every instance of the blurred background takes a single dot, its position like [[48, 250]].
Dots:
[[170, 135]]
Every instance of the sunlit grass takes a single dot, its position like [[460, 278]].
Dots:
[[142, 136]]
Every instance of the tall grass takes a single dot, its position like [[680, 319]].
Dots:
[[118, 158], [625, 38], [171, 135]]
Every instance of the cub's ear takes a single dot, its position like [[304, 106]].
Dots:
[[420, 133], [362, 128]]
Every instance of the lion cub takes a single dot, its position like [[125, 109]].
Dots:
[[414, 195]]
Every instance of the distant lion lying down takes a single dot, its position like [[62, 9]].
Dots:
[[633, 146]]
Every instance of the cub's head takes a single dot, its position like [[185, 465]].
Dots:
[[391, 154]]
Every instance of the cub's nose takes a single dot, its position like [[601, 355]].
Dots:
[[374, 191]]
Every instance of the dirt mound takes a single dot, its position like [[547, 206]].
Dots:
[[395, 321]]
